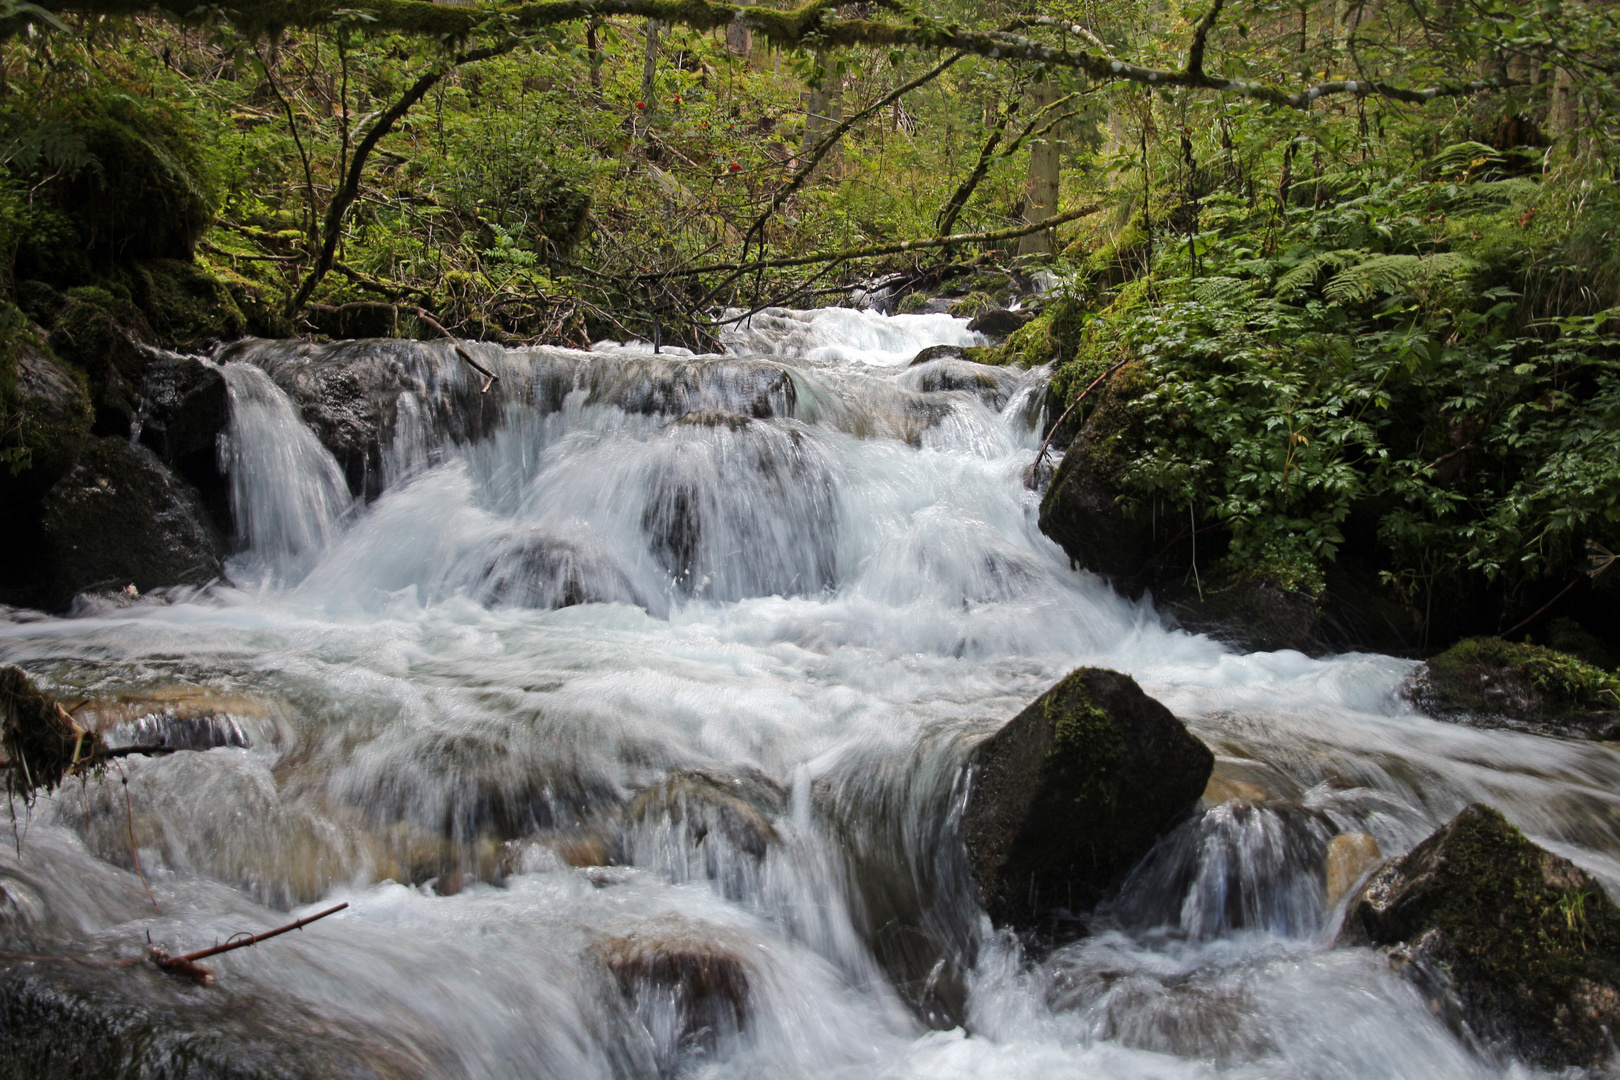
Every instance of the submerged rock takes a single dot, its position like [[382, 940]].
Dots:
[[937, 352], [121, 518], [1502, 683], [1072, 792], [686, 984], [1518, 946], [737, 809], [1348, 857]]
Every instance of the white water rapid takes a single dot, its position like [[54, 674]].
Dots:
[[486, 708]]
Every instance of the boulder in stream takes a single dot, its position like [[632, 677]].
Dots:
[[120, 518], [686, 983], [1072, 792], [1515, 945], [1507, 684]]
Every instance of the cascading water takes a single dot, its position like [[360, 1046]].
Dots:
[[640, 656]]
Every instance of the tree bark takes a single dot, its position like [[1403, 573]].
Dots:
[[825, 109], [649, 67], [1045, 173]]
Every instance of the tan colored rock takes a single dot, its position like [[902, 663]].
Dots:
[[1348, 857]]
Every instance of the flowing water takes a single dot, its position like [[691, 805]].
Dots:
[[646, 656]]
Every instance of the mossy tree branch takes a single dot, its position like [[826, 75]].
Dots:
[[812, 23]]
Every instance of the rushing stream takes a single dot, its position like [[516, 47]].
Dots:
[[491, 706]]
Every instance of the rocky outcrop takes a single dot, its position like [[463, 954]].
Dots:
[[120, 518], [1072, 792], [1500, 683], [185, 408], [1252, 614], [737, 810], [1516, 946], [999, 322], [936, 352], [50, 409]]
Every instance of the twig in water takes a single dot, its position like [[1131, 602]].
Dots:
[[187, 967], [490, 378]]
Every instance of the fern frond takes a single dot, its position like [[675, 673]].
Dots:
[[1224, 291], [1390, 274], [1310, 271], [1463, 156]]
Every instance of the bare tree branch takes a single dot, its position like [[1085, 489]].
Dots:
[[813, 22]]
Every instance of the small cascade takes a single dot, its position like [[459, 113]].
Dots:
[[288, 496]]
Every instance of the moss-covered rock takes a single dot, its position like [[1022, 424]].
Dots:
[[1494, 681], [973, 305], [96, 331], [912, 304], [1086, 509], [46, 410], [120, 518], [185, 306], [1516, 944], [1072, 792], [138, 191]]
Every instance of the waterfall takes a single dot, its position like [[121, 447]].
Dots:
[[627, 704]]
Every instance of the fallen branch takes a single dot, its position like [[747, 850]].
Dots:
[[875, 250], [1029, 481], [490, 378], [187, 967]]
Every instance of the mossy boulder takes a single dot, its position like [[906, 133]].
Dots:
[[1087, 508], [1516, 945], [1492, 681], [138, 189], [912, 304], [97, 331], [120, 518], [1053, 336], [1072, 792], [185, 306], [973, 305], [46, 410], [998, 322]]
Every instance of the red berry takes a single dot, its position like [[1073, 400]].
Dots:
[[736, 167], [641, 104]]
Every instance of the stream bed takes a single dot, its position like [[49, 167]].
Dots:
[[621, 661]]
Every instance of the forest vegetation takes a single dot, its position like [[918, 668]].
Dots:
[[1349, 265]]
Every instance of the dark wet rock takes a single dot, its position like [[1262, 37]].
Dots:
[[1086, 509], [999, 322], [100, 334], [683, 980], [546, 572], [64, 1020], [1072, 792], [51, 410], [936, 352], [1251, 614], [185, 408], [1500, 683], [185, 306], [651, 386], [38, 738], [362, 319], [715, 418], [737, 809], [1516, 946], [121, 518]]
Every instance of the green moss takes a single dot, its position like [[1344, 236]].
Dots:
[[1565, 684], [913, 304], [1520, 931], [973, 305], [1053, 336], [184, 304], [992, 355], [1085, 737]]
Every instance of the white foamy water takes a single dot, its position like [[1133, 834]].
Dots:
[[475, 708]]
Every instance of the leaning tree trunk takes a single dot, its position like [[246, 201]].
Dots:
[[1045, 171]]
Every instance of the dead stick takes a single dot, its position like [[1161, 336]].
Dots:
[[245, 942], [1029, 481], [1542, 610], [490, 378], [187, 967]]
